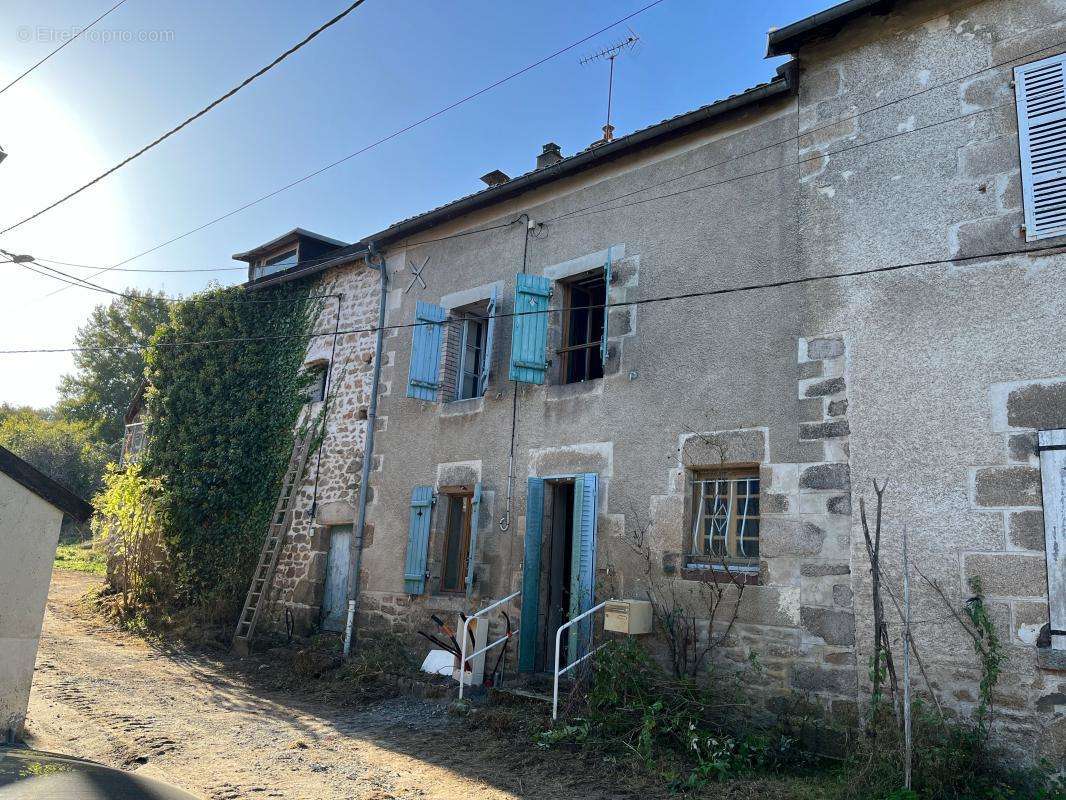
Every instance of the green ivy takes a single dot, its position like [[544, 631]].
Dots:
[[221, 418]]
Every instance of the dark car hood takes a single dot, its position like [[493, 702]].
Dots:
[[26, 773]]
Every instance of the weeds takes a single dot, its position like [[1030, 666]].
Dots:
[[682, 729]]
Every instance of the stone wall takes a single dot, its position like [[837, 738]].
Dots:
[[329, 492]]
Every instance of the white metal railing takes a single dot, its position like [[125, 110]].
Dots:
[[570, 666], [463, 657]]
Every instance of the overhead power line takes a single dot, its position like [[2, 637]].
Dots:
[[156, 270], [191, 119], [621, 304], [65, 43], [429, 117]]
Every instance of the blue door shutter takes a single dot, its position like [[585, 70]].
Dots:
[[527, 636], [529, 339], [1040, 91], [606, 306], [471, 559], [486, 358], [583, 561], [423, 377], [414, 571]]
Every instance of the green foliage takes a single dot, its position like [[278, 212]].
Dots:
[[65, 451], [126, 523], [988, 648], [100, 390], [952, 761], [80, 557], [684, 729], [220, 430]]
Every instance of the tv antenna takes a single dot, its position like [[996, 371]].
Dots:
[[610, 54]]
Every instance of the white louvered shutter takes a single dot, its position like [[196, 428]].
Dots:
[[1040, 89]]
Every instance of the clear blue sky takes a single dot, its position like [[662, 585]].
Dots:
[[388, 64]]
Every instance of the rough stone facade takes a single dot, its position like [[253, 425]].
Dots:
[[330, 488], [898, 146]]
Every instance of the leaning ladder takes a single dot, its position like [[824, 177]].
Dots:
[[275, 538]]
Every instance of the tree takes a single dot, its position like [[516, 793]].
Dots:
[[111, 367], [65, 450]]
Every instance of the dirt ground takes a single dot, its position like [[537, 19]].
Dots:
[[193, 720]]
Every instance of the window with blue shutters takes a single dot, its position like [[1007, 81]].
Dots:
[[423, 378], [414, 571], [490, 334], [1040, 90], [529, 338]]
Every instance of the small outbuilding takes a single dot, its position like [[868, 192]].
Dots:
[[32, 506]]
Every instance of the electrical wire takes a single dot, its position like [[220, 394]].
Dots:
[[213, 104], [621, 304], [68, 41], [382, 140]]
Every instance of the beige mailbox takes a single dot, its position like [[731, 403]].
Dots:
[[627, 616]]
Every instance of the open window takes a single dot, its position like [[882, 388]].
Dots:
[[467, 357], [583, 327], [723, 520]]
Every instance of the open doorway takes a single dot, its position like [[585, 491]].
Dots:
[[559, 566], [557, 569]]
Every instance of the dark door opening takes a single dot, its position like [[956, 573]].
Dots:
[[558, 549]]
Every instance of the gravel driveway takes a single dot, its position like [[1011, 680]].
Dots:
[[103, 694]]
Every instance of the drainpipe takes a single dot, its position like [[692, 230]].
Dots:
[[355, 565]]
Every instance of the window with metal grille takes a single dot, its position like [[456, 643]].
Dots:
[[584, 309], [456, 549], [724, 524]]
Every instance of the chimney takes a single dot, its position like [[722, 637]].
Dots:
[[495, 178], [550, 155]]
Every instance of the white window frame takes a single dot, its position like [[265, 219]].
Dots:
[[1051, 447]]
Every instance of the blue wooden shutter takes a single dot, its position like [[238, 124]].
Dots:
[[486, 357], [527, 636], [606, 306], [471, 559], [1040, 92], [529, 339], [423, 378], [583, 561], [414, 571]]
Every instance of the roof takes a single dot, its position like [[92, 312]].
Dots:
[[43, 486], [782, 84], [294, 234], [787, 40], [333, 258], [136, 402]]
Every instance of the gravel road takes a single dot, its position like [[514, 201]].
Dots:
[[104, 694]]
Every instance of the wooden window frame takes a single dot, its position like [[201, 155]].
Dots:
[[731, 562], [259, 270], [466, 319], [465, 495], [590, 349], [317, 391]]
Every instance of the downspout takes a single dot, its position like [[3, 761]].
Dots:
[[355, 564]]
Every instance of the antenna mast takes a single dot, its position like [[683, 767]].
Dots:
[[610, 54]]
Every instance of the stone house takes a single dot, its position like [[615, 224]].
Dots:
[[681, 357]]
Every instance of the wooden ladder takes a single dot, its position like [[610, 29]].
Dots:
[[277, 531]]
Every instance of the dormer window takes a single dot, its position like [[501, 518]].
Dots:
[[275, 264]]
